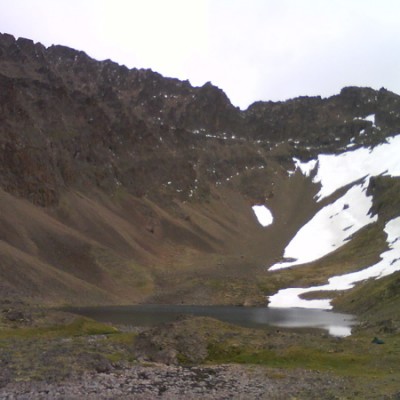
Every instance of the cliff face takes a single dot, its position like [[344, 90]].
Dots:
[[71, 121], [122, 184]]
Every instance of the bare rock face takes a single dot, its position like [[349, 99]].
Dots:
[[71, 121]]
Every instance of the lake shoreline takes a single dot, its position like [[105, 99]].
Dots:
[[337, 324]]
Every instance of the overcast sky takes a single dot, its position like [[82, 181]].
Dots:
[[252, 49]]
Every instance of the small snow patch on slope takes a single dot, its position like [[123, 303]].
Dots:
[[305, 167], [370, 118], [390, 263], [264, 216]]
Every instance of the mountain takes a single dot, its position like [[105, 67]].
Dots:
[[122, 186]]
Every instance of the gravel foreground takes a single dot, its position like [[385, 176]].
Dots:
[[175, 382]]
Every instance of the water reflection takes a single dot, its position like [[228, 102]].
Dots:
[[336, 324]]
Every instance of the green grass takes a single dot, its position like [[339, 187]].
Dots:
[[79, 327], [374, 300], [132, 280], [367, 365], [355, 357], [292, 357]]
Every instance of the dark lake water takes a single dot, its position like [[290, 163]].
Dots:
[[336, 324]]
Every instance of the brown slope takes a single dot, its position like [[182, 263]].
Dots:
[[128, 249], [31, 236]]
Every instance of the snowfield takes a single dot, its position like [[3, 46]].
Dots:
[[336, 171], [390, 262], [331, 227]]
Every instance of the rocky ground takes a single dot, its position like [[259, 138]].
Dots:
[[177, 382]]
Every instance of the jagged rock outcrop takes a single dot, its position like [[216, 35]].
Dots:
[[68, 120]]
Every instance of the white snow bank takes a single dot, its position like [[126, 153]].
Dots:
[[329, 228], [264, 216], [390, 262], [288, 298], [336, 171]]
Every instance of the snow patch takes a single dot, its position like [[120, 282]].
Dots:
[[370, 118], [329, 228], [336, 171], [305, 167], [288, 298], [264, 216], [390, 263]]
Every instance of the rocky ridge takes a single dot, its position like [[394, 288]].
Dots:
[[71, 121]]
